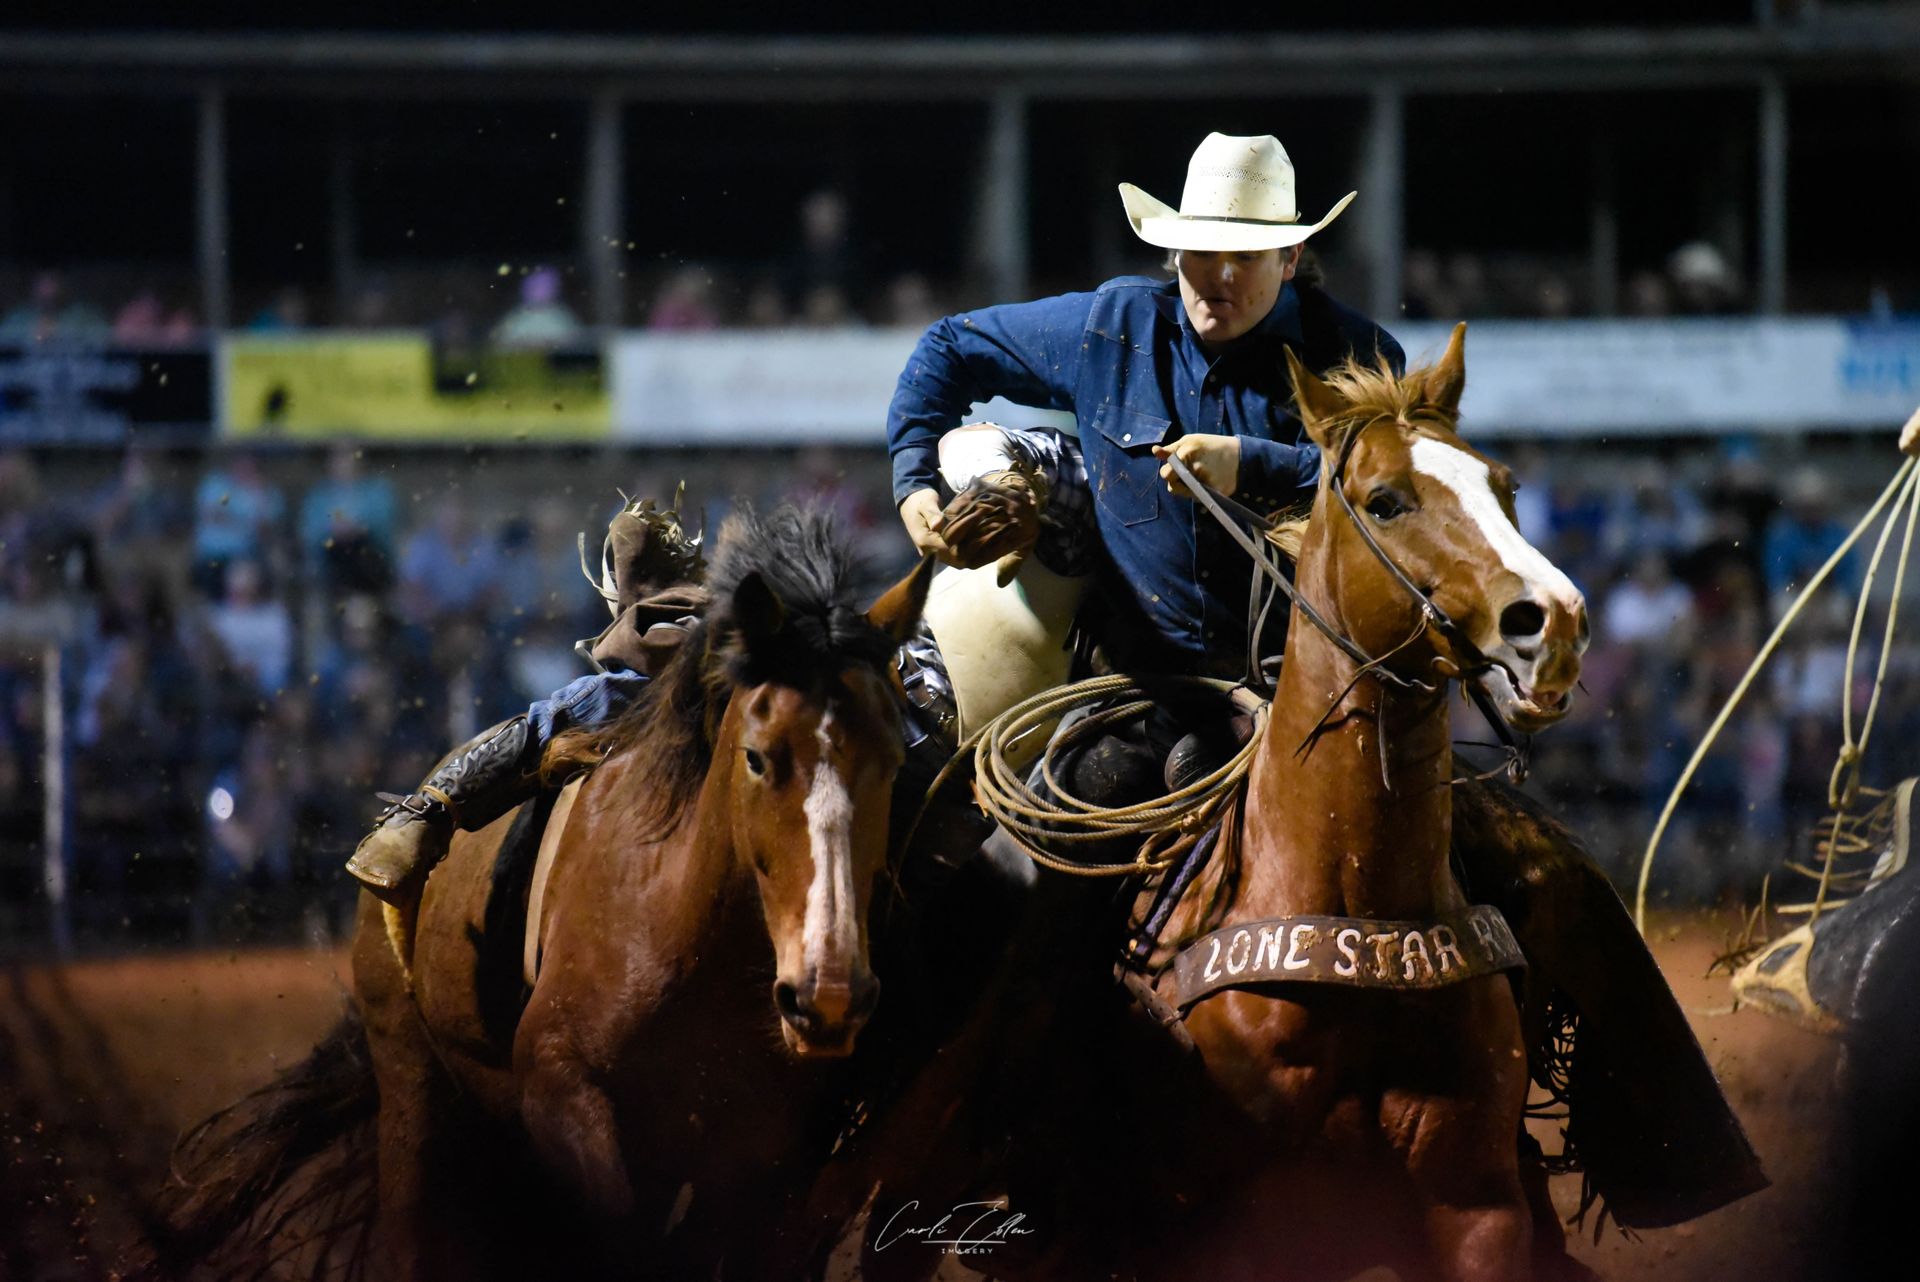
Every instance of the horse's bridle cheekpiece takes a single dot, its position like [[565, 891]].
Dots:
[[1230, 514]]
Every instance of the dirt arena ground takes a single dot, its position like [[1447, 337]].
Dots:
[[102, 1063]]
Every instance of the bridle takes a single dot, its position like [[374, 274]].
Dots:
[[1230, 514]]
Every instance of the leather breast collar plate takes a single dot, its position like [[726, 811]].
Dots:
[[1353, 952]]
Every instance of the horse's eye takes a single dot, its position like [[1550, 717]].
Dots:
[[1384, 505], [756, 763]]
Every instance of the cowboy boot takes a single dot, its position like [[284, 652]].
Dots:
[[482, 780]]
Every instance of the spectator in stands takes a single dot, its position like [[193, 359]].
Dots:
[[49, 315], [1704, 283], [22, 508], [366, 669], [1649, 609], [1424, 288], [1659, 514], [1553, 297], [1803, 534], [146, 321], [1648, 295], [372, 306], [255, 631], [288, 311], [542, 319], [237, 514], [137, 509], [685, 301], [447, 566], [347, 525], [827, 307], [824, 263], [1467, 283], [249, 819], [766, 306], [910, 303]]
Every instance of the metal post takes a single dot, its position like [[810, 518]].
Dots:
[[346, 266], [211, 207], [604, 212], [1604, 231], [53, 776], [1382, 199], [1773, 195], [1000, 240]]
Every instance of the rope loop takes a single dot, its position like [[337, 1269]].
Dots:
[[1049, 826]]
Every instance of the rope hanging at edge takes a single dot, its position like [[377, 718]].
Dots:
[[1906, 483]]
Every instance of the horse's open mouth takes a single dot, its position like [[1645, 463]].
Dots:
[[812, 1048], [1525, 710]]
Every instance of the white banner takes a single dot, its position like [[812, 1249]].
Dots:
[[1698, 375], [1523, 378]]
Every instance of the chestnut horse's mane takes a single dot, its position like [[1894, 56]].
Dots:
[[799, 555], [1373, 390]]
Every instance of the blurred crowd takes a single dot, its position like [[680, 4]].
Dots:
[[1696, 279], [249, 646]]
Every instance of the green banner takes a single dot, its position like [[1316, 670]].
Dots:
[[401, 387]]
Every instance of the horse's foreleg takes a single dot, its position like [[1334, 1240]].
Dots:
[[1459, 1151], [417, 1230], [571, 1122]]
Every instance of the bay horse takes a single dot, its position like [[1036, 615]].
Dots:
[[1367, 1100], [677, 1072]]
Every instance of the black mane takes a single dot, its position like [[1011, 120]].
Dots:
[[799, 554]]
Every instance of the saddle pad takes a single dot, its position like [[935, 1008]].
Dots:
[[542, 869], [1353, 952]]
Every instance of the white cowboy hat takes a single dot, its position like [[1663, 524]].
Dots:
[[1239, 195]]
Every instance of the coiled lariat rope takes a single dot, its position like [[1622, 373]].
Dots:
[[1048, 826], [1843, 785]]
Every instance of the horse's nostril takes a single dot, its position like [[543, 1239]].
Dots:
[[1522, 619], [786, 999]]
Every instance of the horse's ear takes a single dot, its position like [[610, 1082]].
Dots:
[[1319, 405], [897, 612], [756, 610], [1447, 379]]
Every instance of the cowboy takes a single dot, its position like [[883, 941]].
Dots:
[[650, 570], [1193, 369], [1190, 368]]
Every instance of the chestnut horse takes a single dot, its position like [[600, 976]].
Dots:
[[730, 837], [1368, 1101], [1321, 1128]]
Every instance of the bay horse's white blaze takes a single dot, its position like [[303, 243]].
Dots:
[[1472, 485], [831, 933]]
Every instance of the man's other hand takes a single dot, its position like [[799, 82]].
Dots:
[[996, 515], [920, 513], [1910, 435], [1214, 460]]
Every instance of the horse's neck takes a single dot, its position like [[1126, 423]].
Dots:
[[1347, 825], [687, 876]]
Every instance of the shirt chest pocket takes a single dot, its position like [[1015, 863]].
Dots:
[[1120, 464]]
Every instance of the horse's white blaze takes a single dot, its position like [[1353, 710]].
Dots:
[[1472, 484], [831, 932]]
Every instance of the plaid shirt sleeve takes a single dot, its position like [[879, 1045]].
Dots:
[[1069, 539]]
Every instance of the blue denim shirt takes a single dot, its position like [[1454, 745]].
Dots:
[[1125, 361]]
